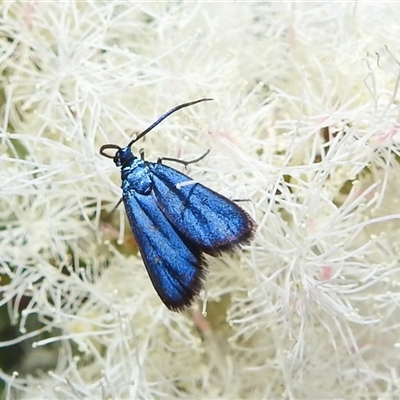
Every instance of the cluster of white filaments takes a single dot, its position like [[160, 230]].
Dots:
[[305, 125]]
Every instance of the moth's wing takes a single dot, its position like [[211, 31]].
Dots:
[[208, 219], [175, 265]]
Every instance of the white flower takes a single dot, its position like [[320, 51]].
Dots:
[[305, 124]]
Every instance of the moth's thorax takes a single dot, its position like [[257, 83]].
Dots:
[[134, 172]]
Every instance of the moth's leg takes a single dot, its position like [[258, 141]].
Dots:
[[183, 162]]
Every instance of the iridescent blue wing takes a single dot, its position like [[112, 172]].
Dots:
[[211, 221], [175, 265]]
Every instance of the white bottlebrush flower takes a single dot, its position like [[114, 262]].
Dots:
[[305, 124]]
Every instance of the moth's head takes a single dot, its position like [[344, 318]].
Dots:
[[121, 157]]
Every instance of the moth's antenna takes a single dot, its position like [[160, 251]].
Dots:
[[167, 114]]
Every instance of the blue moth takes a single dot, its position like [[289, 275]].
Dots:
[[176, 220]]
